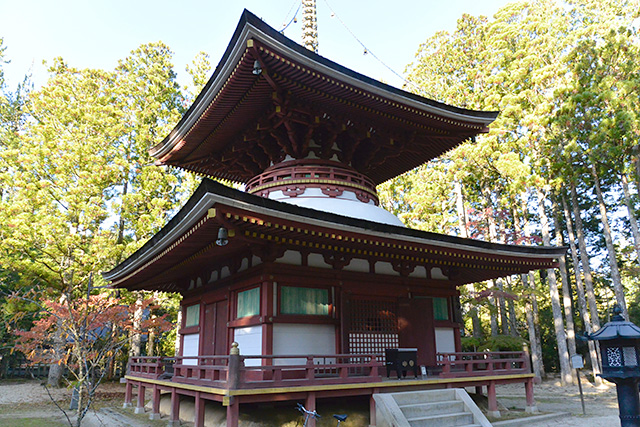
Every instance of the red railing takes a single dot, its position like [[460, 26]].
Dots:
[[261, 371], [201, 369], [146, 366], [271, 371], [289, 370], [456, 365]]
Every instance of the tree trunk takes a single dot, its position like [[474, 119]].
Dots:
[[558, 323], [567, 301], [532, 285], [584, 260], [136, 337], [462, 226], [178, 326], [582, 302], [632, 215], [496, 302], [613, 262], [534, 341]]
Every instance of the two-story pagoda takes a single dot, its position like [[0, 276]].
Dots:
[[304, 263]]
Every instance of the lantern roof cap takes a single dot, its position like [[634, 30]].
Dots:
[[617, 328]]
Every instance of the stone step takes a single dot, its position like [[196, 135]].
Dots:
[[424, 396], [448, 420], [432, 408]]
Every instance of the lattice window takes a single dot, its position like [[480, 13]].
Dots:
[[630, 358], [614, 356], [373, 326]]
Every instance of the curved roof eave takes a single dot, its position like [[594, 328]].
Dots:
[[251, 27], [210, 192]]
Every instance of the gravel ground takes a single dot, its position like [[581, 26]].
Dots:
[[30, 398], [601, 405]]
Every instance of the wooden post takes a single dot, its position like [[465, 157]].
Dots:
[[531, 403], [233, 382], [372, 408], [310, 404], [155, 402], [493, 401], [199, 411], [175, 408], [128, 395], [233, 412], [479, 390], [140, 405], [233, 379]]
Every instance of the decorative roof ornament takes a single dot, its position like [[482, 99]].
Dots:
[[309, 25]]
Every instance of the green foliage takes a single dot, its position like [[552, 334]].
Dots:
[[493, 343]]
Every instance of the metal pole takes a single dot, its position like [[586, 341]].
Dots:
[[584, 412]]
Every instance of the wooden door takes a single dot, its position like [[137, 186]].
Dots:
[[214, 329], [416, 328]]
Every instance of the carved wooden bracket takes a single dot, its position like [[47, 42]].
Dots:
[[337, 261], [403, 267]]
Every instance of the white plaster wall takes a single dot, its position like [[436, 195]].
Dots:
[[290, 257], [298, 338], [436, 273], [357, 264], [420, 272], [249, 341], [190, 347], [317, 260], [225, 272], [385, 268], [445, 341]]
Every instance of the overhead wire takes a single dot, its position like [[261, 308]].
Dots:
[[295, 15], [367, 51]]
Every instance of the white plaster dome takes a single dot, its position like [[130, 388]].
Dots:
[[343, 205], [323, 185]]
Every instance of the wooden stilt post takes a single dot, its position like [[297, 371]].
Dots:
[[233, 412], [128, 395], [175, 408], [372, 408], [199, 415], [479, 390], [310, 404], [140, 405], [155, 403], [493, 401], [531, 403]]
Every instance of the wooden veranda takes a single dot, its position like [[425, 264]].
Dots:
[[233, 380]]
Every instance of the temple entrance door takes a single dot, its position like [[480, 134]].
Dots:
[[214, 331], [416, 329], [221, 331]]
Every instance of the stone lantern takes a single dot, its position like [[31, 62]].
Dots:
[[620, 349]]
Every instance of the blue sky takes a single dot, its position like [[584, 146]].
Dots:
[[96, 33]]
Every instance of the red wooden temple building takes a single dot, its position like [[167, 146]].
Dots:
[[303, 270]]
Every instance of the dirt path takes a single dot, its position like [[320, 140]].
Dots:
[[31, 399], [601, 404]]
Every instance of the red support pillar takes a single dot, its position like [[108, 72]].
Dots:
[[128, 395], [531, 403], [372, 408], [479, 390], [233, 412], [155, 403], [310, 404], [493, 401], [175, 408], [199, 415], [140, 405]]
